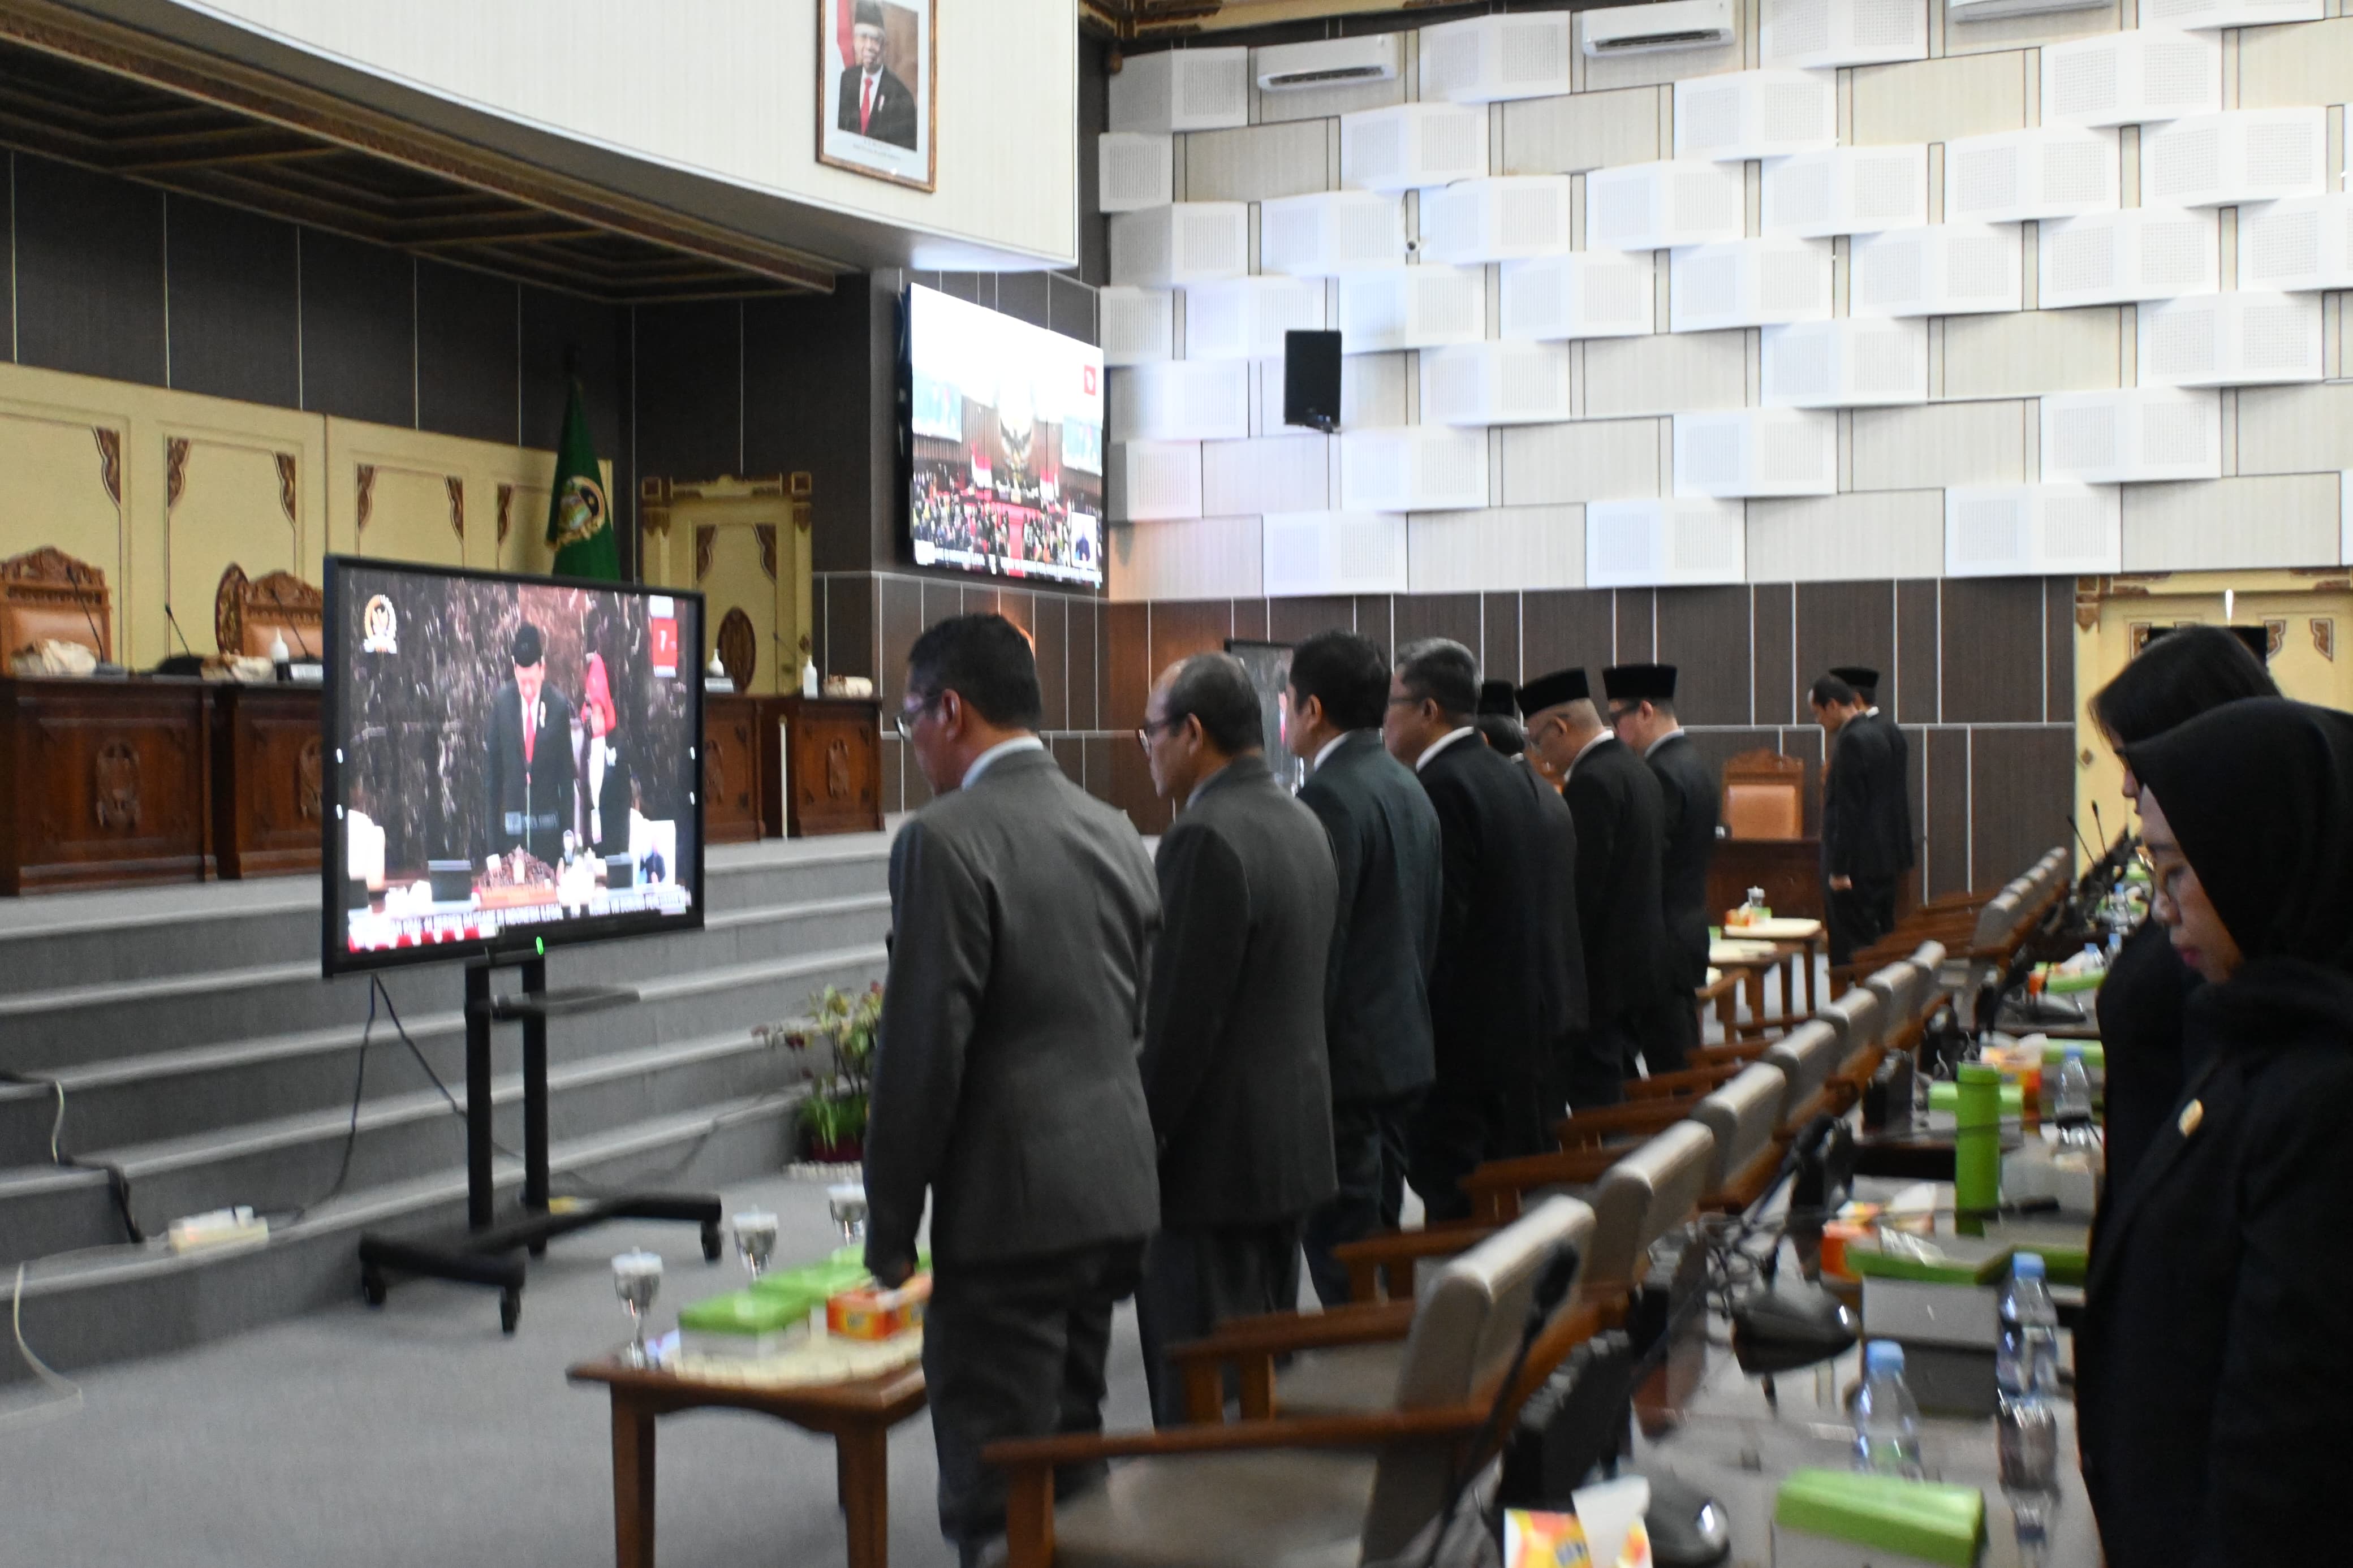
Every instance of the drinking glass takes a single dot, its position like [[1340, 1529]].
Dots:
[[847, 1203], [637, 1279], [755, 1238]]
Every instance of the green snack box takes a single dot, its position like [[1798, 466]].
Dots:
[[1969, 1261], [1922, 1519], [747, 1312]]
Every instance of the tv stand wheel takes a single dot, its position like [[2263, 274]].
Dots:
[[509, 1308], [710, 1241], [373, 1288]]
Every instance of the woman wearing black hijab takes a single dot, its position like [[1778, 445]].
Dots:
[[2214, 1377], [2177, 676]]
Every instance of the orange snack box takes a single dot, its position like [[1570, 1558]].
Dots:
[[872, 1314]]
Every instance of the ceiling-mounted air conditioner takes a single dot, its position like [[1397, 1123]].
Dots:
[[1650, 29], [1328, 62]]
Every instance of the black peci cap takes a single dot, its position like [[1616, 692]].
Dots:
[[2257, 639], [1552, 690], [1495, 697], [525, 649], [1640, 682], [1861, 677]]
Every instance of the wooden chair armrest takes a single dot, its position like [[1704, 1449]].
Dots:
[[1275, 1333], [1588, 1129], [1743, 1053], [1688, 1083], [1374, 1260], [1495, 1188]]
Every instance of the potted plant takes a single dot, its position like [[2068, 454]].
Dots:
[[833, 1117]]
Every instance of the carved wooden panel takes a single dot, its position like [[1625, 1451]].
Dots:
[[268, 812], [826, 755], [731, 769], [109, 783]]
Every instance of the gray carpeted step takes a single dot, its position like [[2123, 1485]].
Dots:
[[44, 1210], [28, 1113]]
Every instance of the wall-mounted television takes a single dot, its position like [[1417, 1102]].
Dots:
[[506, 761], [1003, 444]]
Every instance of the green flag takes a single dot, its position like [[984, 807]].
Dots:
[[579, 513]]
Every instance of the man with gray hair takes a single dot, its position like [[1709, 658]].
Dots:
[[1234, 1066], [1508, 985]]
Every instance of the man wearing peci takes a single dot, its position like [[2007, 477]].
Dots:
[[531, 779], [874, 103], [1642, 711], [1620, 857], [1385, 851], [1006, 1083], [1508, 983], [1233, 1024]]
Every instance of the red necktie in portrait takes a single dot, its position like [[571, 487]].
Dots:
[[530, 735], [865, 104]]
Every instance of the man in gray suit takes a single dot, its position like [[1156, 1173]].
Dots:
[[1385, 848], [1233, 1038], [1006, 1081]]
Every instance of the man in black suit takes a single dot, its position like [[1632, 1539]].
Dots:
[[1642, 711], [530, 775], [874, 103], [1861, 790], [1233, 1026], [1508, 983], [1385, 851], [1891, 814], [1005, 1085], [1620, 853]]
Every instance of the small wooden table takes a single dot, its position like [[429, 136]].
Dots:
[[857, 1416]]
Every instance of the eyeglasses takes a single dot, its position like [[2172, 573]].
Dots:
[[1619, 713], [908, 717], [1152, 727]]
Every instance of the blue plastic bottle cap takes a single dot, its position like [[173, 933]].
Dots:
[[2074, 1053], [2026, 1266], [1883, 1355]]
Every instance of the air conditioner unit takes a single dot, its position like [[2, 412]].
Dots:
[[1842, 32], [1748, 283], [2015, 174], [1940, 269], [2241, 339], [1490, 59], [1412, 308], [2215, 14], [1328, 62], [1591, 294], [1245, 317], [1654, 206], [1414, 467], [1756, 452], [1995, 10], [1675, 541], [1180, 400], [1495, 383], [2118, 257], [1756, 114], [1139, 325], [1412, 146], [1504, 218], [2238, 155], [1133, 170], [2033, 531], [1653, 29], [1181, 243], [2130, 436], [1846, 190], [1151, 481], [1331, 232], [2302, 243], [1182, 89], [1333, 553], [1852, 363], [2134, 77]]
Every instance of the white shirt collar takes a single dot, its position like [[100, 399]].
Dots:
[[1441, 744], [1330, 746], [1586, 749], [1653, 749], [980, 764], [1872, 710]]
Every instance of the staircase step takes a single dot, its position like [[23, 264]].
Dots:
[[51, 1209]]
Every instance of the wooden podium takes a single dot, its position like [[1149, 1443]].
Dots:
[[267, 808], [104, 783], [823, 761]]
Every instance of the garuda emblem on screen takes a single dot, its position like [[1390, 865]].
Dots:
[[580, 511]]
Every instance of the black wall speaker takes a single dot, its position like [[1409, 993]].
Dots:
[[1311, 380]]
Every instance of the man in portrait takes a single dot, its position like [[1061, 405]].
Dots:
[[874, 103], [532, 773]]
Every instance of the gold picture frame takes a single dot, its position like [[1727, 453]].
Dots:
[[895, 135]]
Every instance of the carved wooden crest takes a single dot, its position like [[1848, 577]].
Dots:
[[175, 471], [837, 768], [309, 774], [228, 611], [49, 564], [766, 532], [739, 648], [706, 538], [366, 497], [2324, 636], [286, 471], [457, 504], [506, 510], [114, 787], [110, 460]]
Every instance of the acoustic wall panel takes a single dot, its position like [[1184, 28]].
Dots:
[[1861, 536], [2279, 520], [1150, 481], [2033, 531], [1846, 190], [1652, 206], [1588, 131], [1586, 459], [1852, 363], [1198, 558], [1818, 33], [1246, 318], [1500, 550], [1589, 294], [1489, 60], [2016, 174], [1748, 283], [1331, 232], [1420, 467], [2138, 253], [1756, 452], [2302, 243], [1372, 393], [1180, 244], [1501, 383], [1677, 541], [1139, 325], [1135, 170], [2115, 438], [1181, 89], [1504, 218], [2216, 13], [1180, 400], [1333, 553], [2240, 155], [1412, 308], [1941, 269], [1412, 146], [1267, 473], [1756, 114], [2241, 338], [2134, 77]]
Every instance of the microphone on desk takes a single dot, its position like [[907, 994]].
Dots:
[[184, 662]]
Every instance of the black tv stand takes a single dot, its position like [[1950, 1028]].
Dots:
[[488, 1253]]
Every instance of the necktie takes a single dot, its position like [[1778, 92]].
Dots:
[[865, 104], [530, 735]]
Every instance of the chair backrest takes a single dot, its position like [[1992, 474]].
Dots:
[[1998, 918], [1893, 986], [1858, 1017], [1643, 1197], [1741, 1116], [1930, 956], [1464, 1333], [1806, 1055], [1764, 796], [46, 596]]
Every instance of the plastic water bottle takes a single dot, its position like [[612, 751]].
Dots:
[[2072, 1105], [1886, 1421], [2026, 1421], [2026, 1360]]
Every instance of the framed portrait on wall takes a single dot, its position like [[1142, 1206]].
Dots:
[[877, 106]]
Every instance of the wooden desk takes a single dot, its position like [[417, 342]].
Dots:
[[104, 783], [857, 1415], [821, 766], [267, 805], [730, 768], [1722, 990], [1788, 869]]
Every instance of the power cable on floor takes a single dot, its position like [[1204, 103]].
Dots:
[[67, 1392]]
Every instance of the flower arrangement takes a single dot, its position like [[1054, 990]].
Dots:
[[833, 1117]]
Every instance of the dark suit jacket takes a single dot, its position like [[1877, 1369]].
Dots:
[[2214, 1371], [1687, 793], [531, 805], [1385, 851], [892, 118], [1233, 1028], [1006, 1081], [1895, 820], [1864, 818], [1621, 857], [1509, 979]]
